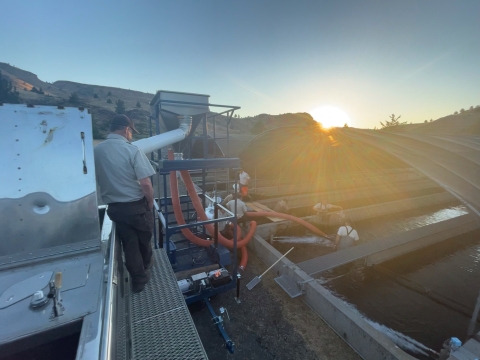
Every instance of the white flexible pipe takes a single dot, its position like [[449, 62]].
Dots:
[[171, 137], [156, 142]]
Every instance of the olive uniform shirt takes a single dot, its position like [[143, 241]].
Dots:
[[118, 167]]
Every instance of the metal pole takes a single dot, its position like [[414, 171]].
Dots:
[[237, 298], [166, 214], [215, 216], [151, 179]]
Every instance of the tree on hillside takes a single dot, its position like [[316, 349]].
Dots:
[[74, 99], [109, 101], [109, 93], [455, 113], [392, 122], [95, 96], [138, 105], [346, 125], [471, 108], [426, 121], [462, 110], [120, 107], [38, 91], [7, 93]]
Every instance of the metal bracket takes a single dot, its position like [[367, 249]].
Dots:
[[302, 284]]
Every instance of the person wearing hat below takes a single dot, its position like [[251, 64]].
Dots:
[[123, 175]]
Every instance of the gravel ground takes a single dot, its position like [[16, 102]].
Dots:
[[268, 324]]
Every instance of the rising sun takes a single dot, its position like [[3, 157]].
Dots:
[[330, 116]]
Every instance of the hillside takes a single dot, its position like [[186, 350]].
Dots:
[[95, 98], [101, 102]]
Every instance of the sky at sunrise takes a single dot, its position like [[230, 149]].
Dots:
[[368, 59]]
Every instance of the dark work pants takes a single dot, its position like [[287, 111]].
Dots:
[[134, 225]]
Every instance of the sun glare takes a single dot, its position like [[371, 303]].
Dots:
[[330, 116]]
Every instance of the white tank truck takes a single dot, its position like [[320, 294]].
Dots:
[[58, 264]]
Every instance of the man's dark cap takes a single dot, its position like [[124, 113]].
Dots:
[[124, 120]]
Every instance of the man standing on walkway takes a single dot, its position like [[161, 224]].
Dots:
[[123, 172]]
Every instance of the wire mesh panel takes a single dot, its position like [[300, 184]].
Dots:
[[162, 327]]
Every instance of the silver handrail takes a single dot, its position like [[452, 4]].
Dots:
[[107, 329]]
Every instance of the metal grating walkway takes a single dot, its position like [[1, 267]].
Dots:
[[345, 256], [162, 327]]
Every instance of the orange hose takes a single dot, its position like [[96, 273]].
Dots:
[[241, 244], [288, 217], [179, 215], [203, 217]]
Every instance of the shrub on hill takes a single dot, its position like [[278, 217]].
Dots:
[[109, 101], [38, 91], [8, 94], [74, 99], [120, 107]]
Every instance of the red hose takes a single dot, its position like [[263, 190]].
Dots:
[[287, 217]]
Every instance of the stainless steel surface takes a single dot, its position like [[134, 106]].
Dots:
[[24, 288], [47, 201], [78, 302], [91, 336], [182, 109], [162, 327]]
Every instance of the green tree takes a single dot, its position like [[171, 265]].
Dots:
[[462, 110], [109, 93], [138, 105], [120, 107], [109, 101], [455, 113], [7, 93], [74, 99], [394, 121], [95, 96], [345, 125]]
